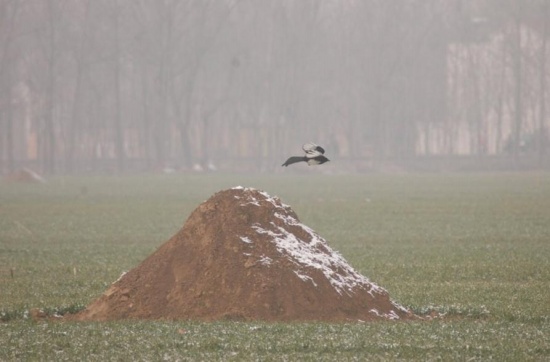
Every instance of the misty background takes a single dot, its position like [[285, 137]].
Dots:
[[143, 85]]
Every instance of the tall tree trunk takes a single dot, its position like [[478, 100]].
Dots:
[[500, 102], [9, 135], [145, 132], [119, 135], [8, 17], [183, 123], [184, 118], [6, 122], [518, 80], [542, 132], [75, 119], [48, 144]]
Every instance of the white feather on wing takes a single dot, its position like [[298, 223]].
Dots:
[[312, 150]]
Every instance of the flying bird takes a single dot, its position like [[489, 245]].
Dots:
[[314, 155]]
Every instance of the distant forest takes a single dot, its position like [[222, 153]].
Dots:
[[138, 85]]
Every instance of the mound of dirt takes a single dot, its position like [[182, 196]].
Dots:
[[244, 255], [24, 175]]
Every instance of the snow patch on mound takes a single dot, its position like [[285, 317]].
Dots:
[[315, 253]]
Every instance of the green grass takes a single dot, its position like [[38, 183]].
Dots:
[[474, 246]]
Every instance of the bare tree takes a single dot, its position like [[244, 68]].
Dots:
[[8, 17], [543, 134], [120, 85]]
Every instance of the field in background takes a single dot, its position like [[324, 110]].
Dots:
[[475, 246]]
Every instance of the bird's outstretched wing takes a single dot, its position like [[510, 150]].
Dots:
[[319, 160], [294, 159], [312, 150]]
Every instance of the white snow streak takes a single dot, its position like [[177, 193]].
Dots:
[[305, 278], [120, 277], [313, 254], [253, 201], [265, 260], [391, 315], [245, 239], [307, 254]]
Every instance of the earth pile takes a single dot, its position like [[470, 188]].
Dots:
[[244, 255]]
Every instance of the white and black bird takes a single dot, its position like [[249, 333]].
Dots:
[[314, 155]]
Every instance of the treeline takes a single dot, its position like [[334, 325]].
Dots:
[[89, 85]]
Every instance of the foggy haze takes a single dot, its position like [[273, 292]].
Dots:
[[138, 85]]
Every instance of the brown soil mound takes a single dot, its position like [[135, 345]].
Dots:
[[24, 175], [244, 255]]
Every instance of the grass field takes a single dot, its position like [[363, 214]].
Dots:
[[474, 246]]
